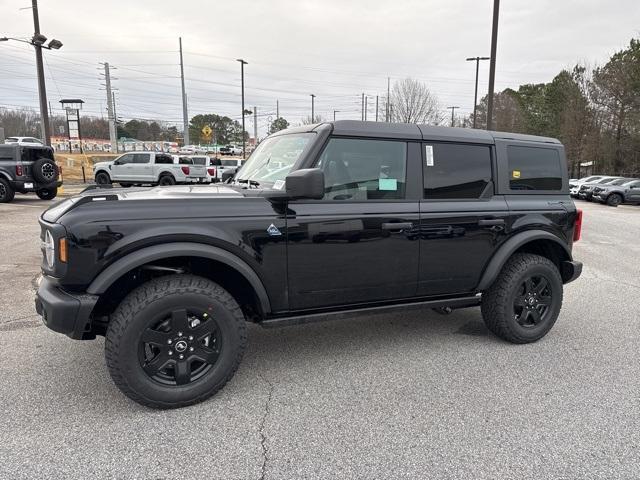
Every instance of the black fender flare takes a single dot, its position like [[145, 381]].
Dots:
[[179, 249], [506, 250]]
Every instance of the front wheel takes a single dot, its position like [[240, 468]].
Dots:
[[614, 200], [102, 178], [175, 341], [47, 193], [524, 302]]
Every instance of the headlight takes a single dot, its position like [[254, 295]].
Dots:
[[49, 249]]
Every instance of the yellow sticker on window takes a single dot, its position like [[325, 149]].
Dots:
[[516, 174]]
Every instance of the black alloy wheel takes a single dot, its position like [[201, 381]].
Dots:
[[614, 200], [533, 300], [181, 348]]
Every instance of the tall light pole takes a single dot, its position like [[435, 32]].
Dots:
[[37, 42], [334, 114], [242, 64], [453, 109], [185, 115], [312, 107], [475, 95], [492, 63]]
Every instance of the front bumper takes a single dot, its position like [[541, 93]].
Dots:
[[571, 269], [65, 312]]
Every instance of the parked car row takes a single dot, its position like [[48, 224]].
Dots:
[[606, 189], [151, 168]]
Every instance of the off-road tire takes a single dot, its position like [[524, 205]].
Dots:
[[498, 301], [126, 185], [45, 170], [614, 199], [166, 180], [6, 192], [132, 317], [47, 193], [103, 178]]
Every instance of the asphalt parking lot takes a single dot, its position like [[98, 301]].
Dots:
[[415, 395]]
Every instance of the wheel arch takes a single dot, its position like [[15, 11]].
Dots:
[[230, 269], [538, 242]]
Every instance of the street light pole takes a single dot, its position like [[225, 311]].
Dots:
[[475, 95], [42, 89], [185, 115], [492, 63], [242, 64], [312, 107], [334, 114]]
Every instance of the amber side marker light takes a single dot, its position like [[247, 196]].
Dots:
[[62, 250]]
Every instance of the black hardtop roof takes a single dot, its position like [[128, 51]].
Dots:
[[412, 131]]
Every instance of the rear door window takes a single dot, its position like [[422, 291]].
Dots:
[[534, 168], [456, 171], [141, 158]]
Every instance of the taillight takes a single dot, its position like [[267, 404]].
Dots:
[[577, 228], [212, 171], [185, 170], [18, 170]]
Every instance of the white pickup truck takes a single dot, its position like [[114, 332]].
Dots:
[[138, 168]]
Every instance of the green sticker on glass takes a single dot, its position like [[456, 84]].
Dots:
[[388, 184]]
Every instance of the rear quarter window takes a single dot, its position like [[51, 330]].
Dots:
[[534, 168]]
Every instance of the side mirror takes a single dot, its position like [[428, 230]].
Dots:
[[116, 162], [305, 183], [216, 162], [227, 174]]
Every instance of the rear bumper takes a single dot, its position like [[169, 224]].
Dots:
[[571, 270], [64, 312], [23, 186]]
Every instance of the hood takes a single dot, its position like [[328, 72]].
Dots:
[[159, 195], [102, 164]]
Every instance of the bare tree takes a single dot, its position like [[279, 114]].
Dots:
[[413, 102], [310, 121]]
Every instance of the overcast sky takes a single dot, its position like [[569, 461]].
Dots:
[[334, 49]]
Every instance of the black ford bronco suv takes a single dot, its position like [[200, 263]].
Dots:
[[26, 169], [322, 221]]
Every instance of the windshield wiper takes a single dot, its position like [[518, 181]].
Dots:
[[248, 181]]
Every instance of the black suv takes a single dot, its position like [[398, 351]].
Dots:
[[26, 169], [322, 221]]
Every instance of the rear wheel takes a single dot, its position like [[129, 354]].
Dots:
[[47, 193], [166, 180], [125, 185], [524, 302], [614, 200], [175, 341], [102, 178], [6, 192]]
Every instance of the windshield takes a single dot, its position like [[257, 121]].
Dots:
[[589, 179], [607, 181], [273, 159], [620, 181]]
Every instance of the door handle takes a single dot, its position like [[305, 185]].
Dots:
[[491, 222], [396, 226]]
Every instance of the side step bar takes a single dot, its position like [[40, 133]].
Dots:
[[461, 302]]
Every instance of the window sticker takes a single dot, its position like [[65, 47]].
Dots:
[[429, 155], [388, 184], [515, 174], [278, 184]]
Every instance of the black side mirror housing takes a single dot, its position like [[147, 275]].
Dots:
[[216, 162], [305, 183], [227, 174]]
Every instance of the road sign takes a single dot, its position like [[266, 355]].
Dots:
[[206, 130]]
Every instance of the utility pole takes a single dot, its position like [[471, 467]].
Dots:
[[115, 119], [365, 107], [312, 108], [277, 108], [185, 115], [244, 142], [387, 117], [110, 109], [334, 114], [492, 63], [475, 96], [255, 126], [362, 114], [42, 89], [376, 108], [453, 109]]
